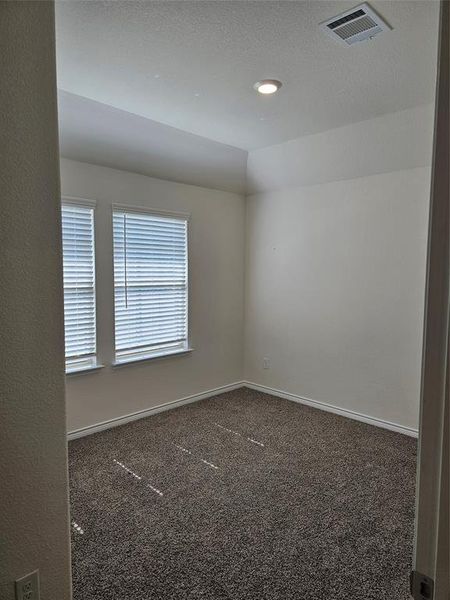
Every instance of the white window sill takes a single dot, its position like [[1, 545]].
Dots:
[[81, 370], [132, 361]]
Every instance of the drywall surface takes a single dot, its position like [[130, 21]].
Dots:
[[99, 134], [392, 142], [335, 280], [192, 64], [34, 528], [216, 295]]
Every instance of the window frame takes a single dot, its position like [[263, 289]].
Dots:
[[95, 365], [187, 348]]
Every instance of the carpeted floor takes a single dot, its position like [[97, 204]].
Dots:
[[242, 496]]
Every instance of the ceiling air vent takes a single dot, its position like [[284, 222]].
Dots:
[[355, 25]]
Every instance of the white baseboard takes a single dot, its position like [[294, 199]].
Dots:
[[344, 412], [350, 414], [141, 414]]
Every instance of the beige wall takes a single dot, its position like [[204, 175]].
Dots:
[[392, 142], [34, 530], [335, 288], [216, 279], [432, 540], [335, 274], [353, 248]]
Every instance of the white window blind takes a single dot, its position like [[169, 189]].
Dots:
[[150, 284], [79, 286]]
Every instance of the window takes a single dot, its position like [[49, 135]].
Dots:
[[79, 287], [150, 284]]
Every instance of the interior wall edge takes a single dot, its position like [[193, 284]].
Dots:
[[216, 284], [389, 143], [343, 180], [34, 519], [142, 414], [297, 243], [343, 412], [99, 134]]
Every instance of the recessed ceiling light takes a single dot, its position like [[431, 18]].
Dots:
[[267, 86]]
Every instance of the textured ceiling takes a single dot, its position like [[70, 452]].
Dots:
[[192, 64]]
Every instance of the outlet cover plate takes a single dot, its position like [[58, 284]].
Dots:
[[27, 587]]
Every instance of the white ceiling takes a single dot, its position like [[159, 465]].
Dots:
[[96, 133], [192, 64]]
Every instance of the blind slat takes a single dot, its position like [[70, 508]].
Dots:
[[150, 284], [79, 285]]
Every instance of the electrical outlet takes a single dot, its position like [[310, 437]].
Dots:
[[266, 363], [27, 588]]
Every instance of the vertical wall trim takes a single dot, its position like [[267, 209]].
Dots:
[[34, 515], [434, 395]]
